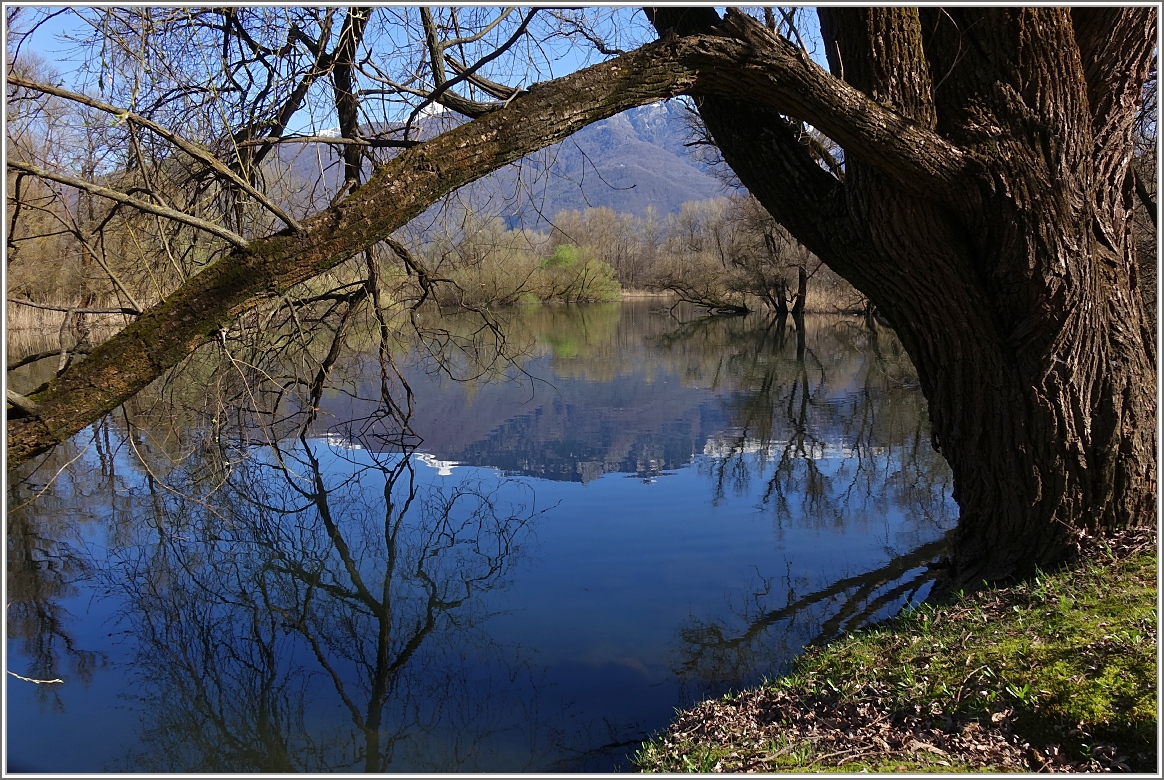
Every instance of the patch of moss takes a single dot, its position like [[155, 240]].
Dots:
[[1070, 656]]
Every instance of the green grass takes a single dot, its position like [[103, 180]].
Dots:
[[1061, 668]]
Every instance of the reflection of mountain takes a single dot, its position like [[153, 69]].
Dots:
[[570, 430], [641, 428], [635, 395]]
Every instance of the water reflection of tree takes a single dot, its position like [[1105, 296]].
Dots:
[[760, 639], [252, 583], [832, 427], [828, 420], [45, 558], [290, 609], [314, 572], [288, 620]]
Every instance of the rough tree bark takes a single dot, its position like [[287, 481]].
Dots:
[[985, 211], [1014, 289]]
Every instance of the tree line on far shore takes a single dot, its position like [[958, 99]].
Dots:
[[726, 254]]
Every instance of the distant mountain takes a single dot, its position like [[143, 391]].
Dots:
[[628, 162]]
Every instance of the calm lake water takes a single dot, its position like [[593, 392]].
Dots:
[[639, 512]]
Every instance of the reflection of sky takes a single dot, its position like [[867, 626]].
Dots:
[[621, 562], [91, 715], [613, 570], [611, 598]]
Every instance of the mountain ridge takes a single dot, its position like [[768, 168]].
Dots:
[[629, 162]]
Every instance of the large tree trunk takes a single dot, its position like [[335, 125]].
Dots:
[[1017, 297]]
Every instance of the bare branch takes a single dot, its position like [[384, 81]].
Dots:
[[51, 307], [140, 205], [194, 151], [454, 101], [790, 20], [36, 357], [501, 17], [575, 27], [499, 91], [1142, 193], [371, 143], [99, 257]]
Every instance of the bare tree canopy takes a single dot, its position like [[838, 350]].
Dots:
[[983, 199]]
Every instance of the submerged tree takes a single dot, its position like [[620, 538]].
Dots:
[[982, 203]]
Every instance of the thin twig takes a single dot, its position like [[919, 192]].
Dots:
[[53, 479]]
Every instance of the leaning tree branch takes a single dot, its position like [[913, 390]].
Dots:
[[194, 151], [140, 205], [401, 189], [266, 268]]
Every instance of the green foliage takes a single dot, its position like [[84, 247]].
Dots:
[[567, 275], [1072, 651], [564, 256]]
